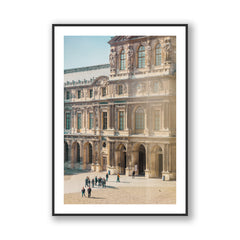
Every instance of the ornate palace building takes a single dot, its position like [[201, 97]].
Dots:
[[122, 116]]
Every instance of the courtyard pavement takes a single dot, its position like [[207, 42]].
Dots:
[[138, 190]]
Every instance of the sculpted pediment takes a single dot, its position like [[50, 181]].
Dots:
[[101, 81]]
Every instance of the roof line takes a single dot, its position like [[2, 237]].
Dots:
[[89, 68]]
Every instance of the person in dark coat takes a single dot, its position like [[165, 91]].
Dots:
[[96, 180], [89, 190], [99, 181], [133, 174], [86, 181], [103, 183], [93, 183], [106, 176], [83, 192]]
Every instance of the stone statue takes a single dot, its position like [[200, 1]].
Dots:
[[113, 58], [167, 48], [130, 57], [149, 53]]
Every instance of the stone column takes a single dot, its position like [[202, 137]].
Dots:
[[69, 154], [94, 119], [84, 157], [166, 162], [135, 157], [146, 129], [74, 121], [81, 153], [125, 118], [116, 119], [108, 118], [108, 156], [170, 158], [147, 172], [117, 161]]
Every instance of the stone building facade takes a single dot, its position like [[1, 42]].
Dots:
[[122, 116]]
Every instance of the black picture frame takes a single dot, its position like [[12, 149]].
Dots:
[[54, 27]]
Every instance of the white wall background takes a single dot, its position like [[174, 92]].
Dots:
[[25, 175]]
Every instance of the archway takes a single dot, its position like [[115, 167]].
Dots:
[[76, 153], [156, 162], [87, 155], [122, 159], [142, 160], [65, 152]]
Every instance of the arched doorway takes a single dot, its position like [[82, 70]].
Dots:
[[123, 159], [76, 153], [65, 152], [156, 162], [87, 155], [142, 160]]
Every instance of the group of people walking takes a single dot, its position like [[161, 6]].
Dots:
[[97, 181]]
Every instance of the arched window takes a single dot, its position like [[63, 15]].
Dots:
[[158, 55], [139, 119], [141, 57], [122, 60]]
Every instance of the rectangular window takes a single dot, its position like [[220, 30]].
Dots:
[[68, 95], [155, 88], [103, 91], [120, 89], [157, 120], [121, 120], [104, 120], [79, 121], [91, 93], [68, 120], [79, 93], [90, 120]]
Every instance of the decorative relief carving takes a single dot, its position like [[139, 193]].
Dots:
[[113, 58], [130, 54], [149, 53], [167, 47], [125, 89], [141, 87]]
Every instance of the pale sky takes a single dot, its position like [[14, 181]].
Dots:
[[83, 51]]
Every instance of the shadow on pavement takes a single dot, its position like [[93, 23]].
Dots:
[[74, 171], [111, 187], [97, 198]]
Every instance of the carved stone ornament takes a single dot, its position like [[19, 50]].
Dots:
[[149, 53], [130, 54], [167, 47], [113, 58], [125, 88]]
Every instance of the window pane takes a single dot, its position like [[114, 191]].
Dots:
[[158, 55], [139, 118], [68, 118], [68, 95], [104, 120], [90, 120], [121, 120], [141, 57], [157, 120], [103, 91], [79, 121], [79, 93], [123, 60], [120, 89]]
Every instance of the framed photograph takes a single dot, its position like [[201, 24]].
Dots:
[[119, 119]]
